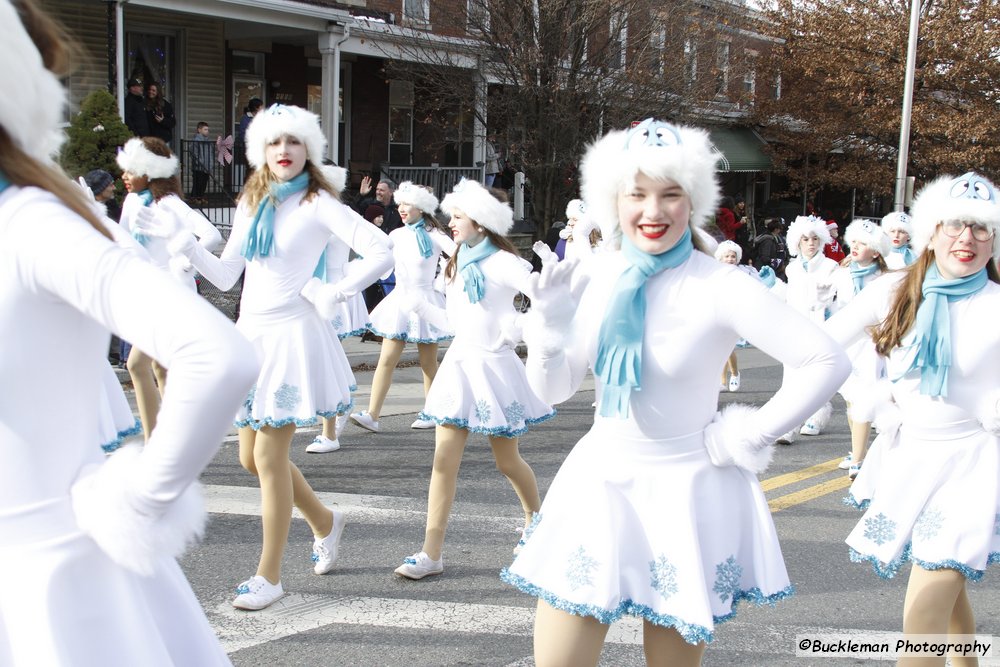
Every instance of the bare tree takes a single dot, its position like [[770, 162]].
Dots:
[[559, 72], [841, 70]]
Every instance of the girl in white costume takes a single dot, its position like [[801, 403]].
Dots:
[[898, 227], [416, 248], [730, 252], [481, 385], [657, 512], [580, 234], [869, 247], [810, 291], [937, 498], [91, 541], [150, 175], [285, 218]]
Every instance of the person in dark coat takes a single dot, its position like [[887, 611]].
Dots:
[[160, 113], [135, 109]]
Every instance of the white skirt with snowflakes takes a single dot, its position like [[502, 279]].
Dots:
[[115, 420], [351, 318], [390, 320], [935, 502], [484, 392], [650, 528], [304, 371]]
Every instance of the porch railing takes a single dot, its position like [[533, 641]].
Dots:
[[223, 181], [440, 179]]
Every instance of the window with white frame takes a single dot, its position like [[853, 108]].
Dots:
[[400, 122], [417, 11], [618, 41], [690, 61], [478, 15], [657, 45], [776, 87], [722, 68], [750, 74]]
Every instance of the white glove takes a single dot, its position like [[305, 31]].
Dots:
[[510, 335], [546, 325], [565, 232], [165, 225], [101, 210], [583, 227], [324, 297], [729, 440], [989, 411], [180, 266], [824, 292], [544, 252]]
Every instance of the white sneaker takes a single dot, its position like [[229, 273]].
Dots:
[[325, 550], [339, 424], [423, 423], [420, 565], [256, 593], [365, 421], [809, 429], [734, 382], [322, 445], [846, 463], [788, 438]]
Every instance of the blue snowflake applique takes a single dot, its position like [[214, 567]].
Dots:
[[287, 397], [338, 322], [663, 576], [248, 401], [483, 412], [928, 524], [727, 578], [880, 529], [514, 413], [580, 568]]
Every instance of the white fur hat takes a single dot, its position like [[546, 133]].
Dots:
[[870, 234], [275, 122], [335, 176], [898, 220], [729, 246], [31, 107], [136, 159], [417, 196], [661, 151], [806, 225], [970, 198], [576, 209], [471, 198]]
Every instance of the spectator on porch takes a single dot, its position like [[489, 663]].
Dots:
[[381, 195], [201, 163], [160, 113], [135, 109]]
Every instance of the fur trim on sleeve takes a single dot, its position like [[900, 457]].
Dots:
[[105, 511], [989, 412], [733, 439]]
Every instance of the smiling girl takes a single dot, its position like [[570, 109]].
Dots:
[[938, 491]]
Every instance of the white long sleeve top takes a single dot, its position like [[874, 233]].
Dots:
[[810, 285], [412, 270]]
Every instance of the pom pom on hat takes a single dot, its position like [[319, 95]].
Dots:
[[870, 234], [136, 159], [970, 198], [280, 120], [803, 226], [335, 176], [415, 195], [475, 201], [659, 150]]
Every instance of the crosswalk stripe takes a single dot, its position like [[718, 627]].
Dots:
[[798, 475], [809, 493]]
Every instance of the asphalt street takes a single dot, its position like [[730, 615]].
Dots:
[[362, 615]]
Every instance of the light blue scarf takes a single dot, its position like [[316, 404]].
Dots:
[[468, 266], [932, 327], [260, 236], [859, 272], [619, 345], [146, 197], [908, 255], [423, 238]]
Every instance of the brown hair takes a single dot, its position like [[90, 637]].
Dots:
[[161, 187], [21, 169], [906, 300], [259, 185], [501, 242], [879, 259]]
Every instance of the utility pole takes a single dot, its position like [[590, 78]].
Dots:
[[904, 126]]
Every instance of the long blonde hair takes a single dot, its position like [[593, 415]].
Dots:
[[259, 185]]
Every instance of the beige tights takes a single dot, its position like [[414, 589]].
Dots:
[[937, 604], [448, 450], [732, 367], [388, 359], [566, 640], [147, 375], [265, 454], [860, 432]]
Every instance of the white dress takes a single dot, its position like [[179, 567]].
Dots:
[[810, 286], [63, 287], [481, 384], [352, 315], [638, 521], [115, 419], [935, 498], [414, 275], [305, 373], [867, 366]]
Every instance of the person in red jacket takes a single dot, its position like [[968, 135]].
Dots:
[[725, 218], [833, 249]]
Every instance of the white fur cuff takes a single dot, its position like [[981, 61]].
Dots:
[[989, 412], [105, 510], [733, 439]]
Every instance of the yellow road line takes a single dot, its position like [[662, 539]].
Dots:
[[809, 493], [799, 475]]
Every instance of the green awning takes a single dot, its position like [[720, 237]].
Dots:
[[742, 149]]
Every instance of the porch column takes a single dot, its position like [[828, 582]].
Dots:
[[479, 119], [329, 47]]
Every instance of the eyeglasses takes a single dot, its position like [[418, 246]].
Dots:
[[955, 228]]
